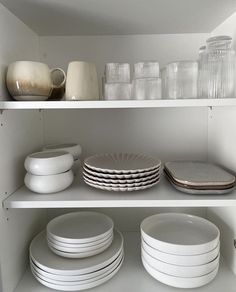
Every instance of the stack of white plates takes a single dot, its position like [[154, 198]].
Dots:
[[80, 234], [180, 250], [66, 274], [49, 172], [121, 172]]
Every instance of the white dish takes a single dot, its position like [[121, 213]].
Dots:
[[91, 244], [121, 181], [72, 148], [180, 234], [114, 185], [78, 282], [48, 163], [138, 175], [80, 255], [201, 192], [195, 173], [194, 260], [121, 163], [46, 184], [180, 271], [46, 260], [82, 286], [120, 189], [78, 277], [180, 282], [80, 227]]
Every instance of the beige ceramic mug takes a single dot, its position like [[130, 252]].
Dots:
[[33, 81], [82, 81]]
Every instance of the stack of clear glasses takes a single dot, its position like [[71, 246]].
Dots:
[[117, 82], [146, 82], [180, 80], [217, 69]]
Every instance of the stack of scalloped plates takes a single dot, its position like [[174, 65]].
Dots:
[[121, 172], [196, 177], [80, 234], [180, 250]]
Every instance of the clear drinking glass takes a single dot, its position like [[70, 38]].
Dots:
[[220, 68], [202, 72], [149, 69], [147, 88], [117, 91], [181, 79], [117, 73]]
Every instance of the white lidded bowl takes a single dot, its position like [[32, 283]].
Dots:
[[180, 282], [72, 148], [180, 234], [80, 227], [194, 260], [46, 184], [180, 271], [48, 163]]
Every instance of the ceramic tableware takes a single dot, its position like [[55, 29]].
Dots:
[[73, 148]]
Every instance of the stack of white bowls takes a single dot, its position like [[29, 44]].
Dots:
[[180, 250], [69, 256], [72, 148], [49, 172]]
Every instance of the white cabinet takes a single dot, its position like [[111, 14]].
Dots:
[[169, 129]]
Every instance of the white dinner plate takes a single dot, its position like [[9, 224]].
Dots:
[[79, 255], [194, 260], [73, 148], [46, 260], [80, 227], [114, 185], [180, 282], [180, 234], [47, 184], [78, 277], [121, 189], [122, 163], [78, 282], [48, 163], [194, 173], [121, 176], [120, 181], [180, 271], [91, 244], [79, 287]]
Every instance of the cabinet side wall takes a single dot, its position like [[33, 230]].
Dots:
[[20, 134], [18, 42]]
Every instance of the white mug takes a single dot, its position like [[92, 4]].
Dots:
[[82, 81], [28, 80]]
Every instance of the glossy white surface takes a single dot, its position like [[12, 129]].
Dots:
[[180, 271], [180, 234], [191, 260], [180, 282], [48, 163], [46, 184], [45, 259], [80, 227], [121, 163], [73, 148]]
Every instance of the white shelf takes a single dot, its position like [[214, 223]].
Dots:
[[79, 195], [133, 277], [4, 105]]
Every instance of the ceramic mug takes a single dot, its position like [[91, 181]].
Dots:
[[28, 80], [82, 81]]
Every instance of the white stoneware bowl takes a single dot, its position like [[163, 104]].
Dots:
[[73, 148], [46, 184], [49, 163]]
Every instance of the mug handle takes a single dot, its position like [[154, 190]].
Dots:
[[64, 77]]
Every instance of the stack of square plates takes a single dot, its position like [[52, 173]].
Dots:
[[199, 177], [54, 270], [180, 250], [121, 172], [80, 234]]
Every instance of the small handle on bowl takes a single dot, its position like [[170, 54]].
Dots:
[[55, 85]]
